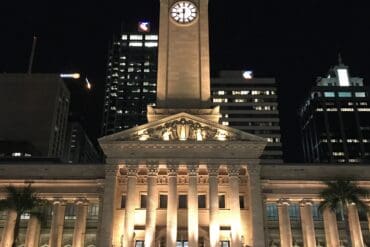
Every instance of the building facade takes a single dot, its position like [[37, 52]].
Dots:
[[251, 105], [183, 179], [34, 110], [131, 79], [335, 119]]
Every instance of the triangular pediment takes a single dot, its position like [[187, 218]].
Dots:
[[181, 127]]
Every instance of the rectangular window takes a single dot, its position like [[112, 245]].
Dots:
[[93, 211], [123, 201], [201, 201], [329, 94], [360, 94], [344, 94], [225, 244], [139, 243], [294, 212], [183, 201], [162, 201], [272, 212], [70, 212], [221, 201], [143, 201], [241, 202]]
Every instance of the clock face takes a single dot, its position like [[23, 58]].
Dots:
[[184, 12]]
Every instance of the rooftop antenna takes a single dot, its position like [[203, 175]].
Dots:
[[340, 60], [32, 54]]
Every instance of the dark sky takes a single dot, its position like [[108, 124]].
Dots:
[[294, 41]]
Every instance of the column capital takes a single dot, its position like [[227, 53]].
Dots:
[[254, 169], [283, 202], [152, 168], [82, 201], [58, 201], [132, 170], [233, 170], [172, 168], [306, 202], [213, 169], [193, 169]]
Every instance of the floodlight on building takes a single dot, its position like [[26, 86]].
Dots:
[[88, 84], [71, 76], [248, 74]]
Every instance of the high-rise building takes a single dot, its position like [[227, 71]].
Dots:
[[131, 79], [34, 110], [250, 104], [79, 148], [335, 119]]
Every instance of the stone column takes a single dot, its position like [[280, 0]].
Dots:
[[308, 227], [234, 205], [151, 206], [80, 223], [57, 224], [355, 226], [193, 222], [8, 231], [172, 206], [128, 235], [285, 229], [109, 206], [368, 220], [214, 225], [33, 232], [256, 206], [331, 228]]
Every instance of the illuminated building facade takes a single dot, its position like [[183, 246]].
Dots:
[[250, 104], [131, 79], [183, 179], [335, 120]]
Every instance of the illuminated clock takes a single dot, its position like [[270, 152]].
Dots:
[[184, 12]]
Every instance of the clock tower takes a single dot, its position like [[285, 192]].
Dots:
[[183, 83]]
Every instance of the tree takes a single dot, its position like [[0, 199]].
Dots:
[[22, 200], [338, 196]]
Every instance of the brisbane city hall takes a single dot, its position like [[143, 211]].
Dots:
[[182, 179]]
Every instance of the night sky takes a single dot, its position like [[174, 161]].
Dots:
[[294, 41]]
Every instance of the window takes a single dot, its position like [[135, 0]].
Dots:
[[183, 243], [162, 201], [225, 244], [316, 214], [241, 202], [329, 94], [272, 212], [143, 201], [360, 94], [183, 201], [344, 94], [70, 212], [294, 212], [123, 201], [201, 201], [139, 243], [93, 211], [221, 201]]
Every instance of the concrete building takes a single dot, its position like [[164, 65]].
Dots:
[[131, 79], [183, 179], [34, 110], [250, 104], [335, 119]]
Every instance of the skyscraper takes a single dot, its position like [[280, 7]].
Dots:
[[335, 119], [250, 104], [131, 79], [34, 112]]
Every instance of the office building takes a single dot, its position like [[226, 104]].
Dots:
[[131, 79], [251, 105], [78, 147], [335, 119], [34, 110]]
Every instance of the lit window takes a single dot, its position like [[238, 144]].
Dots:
[[346, 109], [319, 109], [360, 94], [124, 37], [221, 92], [329, 94], [136, 44], [151, 37], [225, 123], [151, 44], [17, 154], [364, 109], [239, 100], [139, 243], [136, 37], [344, 94]]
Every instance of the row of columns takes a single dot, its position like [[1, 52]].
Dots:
[[308, 227], [172, 206], [56, 230]]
